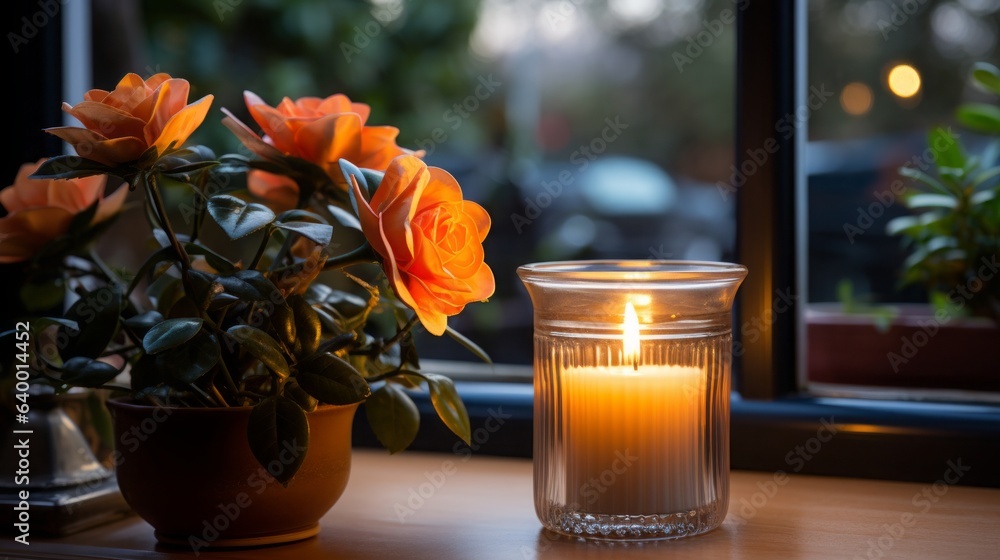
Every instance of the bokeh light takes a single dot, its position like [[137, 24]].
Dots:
[[856, 98], [904, 80]]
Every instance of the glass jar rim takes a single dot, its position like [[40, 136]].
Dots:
[[632, 271]]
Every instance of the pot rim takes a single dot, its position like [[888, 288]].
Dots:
[[126, 402]]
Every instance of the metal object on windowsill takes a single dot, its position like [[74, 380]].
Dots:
[[69, 490]]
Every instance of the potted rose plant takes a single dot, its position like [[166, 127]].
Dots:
[[241, 361]]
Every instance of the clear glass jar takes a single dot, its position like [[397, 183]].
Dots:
[[632, 383]]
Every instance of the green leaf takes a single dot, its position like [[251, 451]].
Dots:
[[159, 256], [980, 117], [449, 405], [393, 417], [298, 214], [305, 400], [343, 217], [320, 233], [332, 380], [215, 260], [278, 434], [86, 372], [986, 76], [982, 197], [141, 323], [919, 201], [147, 375], [68, 167], [182, 171], [188, 362], [374, 180], [170, 334], [985, 177], [902, 224], [239, 218], [96, 314], [350, 170], [308, 329], [203, 288], [946, 148], [43, 296], [918, 175], [469, 345], [251, 285], [261, 346], [81, 222]]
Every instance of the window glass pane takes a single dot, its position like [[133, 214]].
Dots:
[[903, 292], [593, 129]]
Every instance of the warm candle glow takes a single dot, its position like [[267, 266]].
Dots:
[[630, 336]]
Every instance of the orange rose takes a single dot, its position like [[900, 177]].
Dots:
[[40, 210], [431, 240], [278, 192], [123, 124], [320, 131]]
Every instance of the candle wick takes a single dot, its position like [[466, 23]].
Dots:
[[635, 365]]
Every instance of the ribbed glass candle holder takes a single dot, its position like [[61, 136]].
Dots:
[[632, 382]]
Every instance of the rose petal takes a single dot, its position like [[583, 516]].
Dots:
[[170, 97], [272, 122], [111, 205], [249, 138], [129, 92], [91, 145], [110, 122], [378, 147], [328, 139], [25, 192], [71, 194], [280, 192], [24, 233], [183, 124]]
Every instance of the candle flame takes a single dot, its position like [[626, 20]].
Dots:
[[630, 336]]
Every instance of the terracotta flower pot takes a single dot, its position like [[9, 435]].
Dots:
[[190, 474]]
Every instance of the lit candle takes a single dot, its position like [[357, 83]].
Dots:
[[631, 412], [635, 434]]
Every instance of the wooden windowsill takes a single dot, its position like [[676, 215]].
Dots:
[[485, 510]]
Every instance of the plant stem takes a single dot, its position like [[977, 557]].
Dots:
[[228, 378], [263, 246], [104, 268], [218, 395], [359, 255], [159, 207], [400, 333]]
